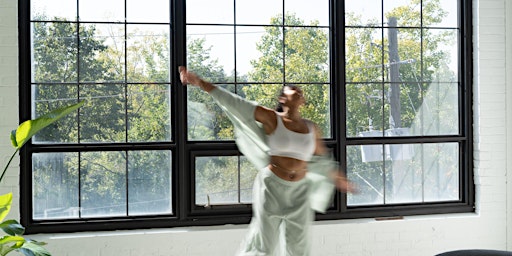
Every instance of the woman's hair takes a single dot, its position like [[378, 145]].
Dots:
[[279, 106]]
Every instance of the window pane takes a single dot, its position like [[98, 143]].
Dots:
[[440, 109], [363, 13], [211, 52], [112, 10], [309, 11], [407, 13], [217, 180], [402, 56], [149, 182], [249, 55], [268, 67], [446, 9], [103, 117], [317, 107], [247, 175], [269, 12], [148, 11], [365, 110], [402, 103], [441, 168], [54, 52], [55, 186], [148, 53], [365, 167], [149, 112], [440, 55], [403, 173], [102, 53], [49, 10], [307, 55], [48, 98], [213, 12], [364, 55], [103, 184], [205, 119]]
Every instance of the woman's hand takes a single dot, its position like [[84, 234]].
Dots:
[[188, 77], [343, 184]]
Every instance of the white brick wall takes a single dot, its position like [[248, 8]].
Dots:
[[418, 235]]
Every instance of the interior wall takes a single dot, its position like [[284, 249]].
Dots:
[[415, 235]]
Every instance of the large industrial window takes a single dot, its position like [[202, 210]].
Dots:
[[387, 81]]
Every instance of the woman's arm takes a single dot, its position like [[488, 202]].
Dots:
[[340, 179], [187, 77]]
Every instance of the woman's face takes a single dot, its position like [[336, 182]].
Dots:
[[292, 94]]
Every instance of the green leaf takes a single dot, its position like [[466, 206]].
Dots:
[[28, 128], [13, 139], [33, 248], [5, 205], [18, 240], [12, 227]]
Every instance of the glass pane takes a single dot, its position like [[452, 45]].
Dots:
[[365, 110], [365, 168], [112, 10], [363, 13], [205, 119], [441, 168], [268, 12], [103, 117], [410, 173], [446, 10], [312, 12], [149, 182], [103, 184], [402, 55], [54, 52], [261, 50], [217, 180], [364, 55], [247, 175], [102, 53], [318, 107], [307, 55], [440, 55], [211, 52], [148, 53], [149, 112], [55, 186], [401, 108], [213, 12], [53, 10], [48, 98], [404, 175], [407, 13], [440, 110], [148, 11], [249, 56]]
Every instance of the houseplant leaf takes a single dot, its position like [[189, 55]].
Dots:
[[33, 248], [12, 227], [5, 205], [28, 128]]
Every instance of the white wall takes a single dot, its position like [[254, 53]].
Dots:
[[417, 235]]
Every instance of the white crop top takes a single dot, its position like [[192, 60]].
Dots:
[[283, 142]]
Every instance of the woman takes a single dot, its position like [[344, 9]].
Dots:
[[283, 145]]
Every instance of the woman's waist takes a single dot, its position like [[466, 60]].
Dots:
[[288, 168]]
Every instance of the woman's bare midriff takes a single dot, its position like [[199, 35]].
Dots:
[[287, 168]]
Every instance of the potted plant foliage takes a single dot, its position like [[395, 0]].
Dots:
[[13, 239]]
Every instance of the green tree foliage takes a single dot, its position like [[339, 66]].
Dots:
[[304, 61]]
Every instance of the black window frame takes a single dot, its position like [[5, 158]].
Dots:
[[185, 211]]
